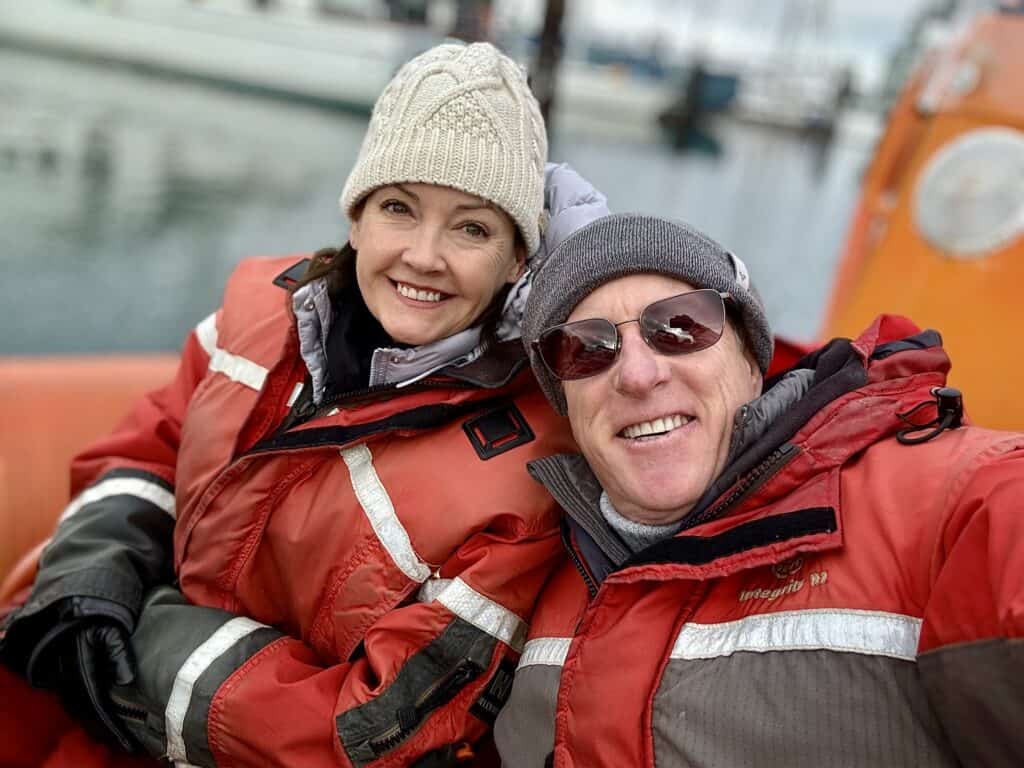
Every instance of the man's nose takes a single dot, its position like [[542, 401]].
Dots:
[[423, 251], [639, 369]]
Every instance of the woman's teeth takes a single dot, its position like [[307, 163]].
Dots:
[[655, 427], [413, 293]]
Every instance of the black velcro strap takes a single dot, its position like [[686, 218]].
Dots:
[[426, 417], [496, 694], [291, 276], [428, 680], [498, 430], [924, 340], [701, 550]]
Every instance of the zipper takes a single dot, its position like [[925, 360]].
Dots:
[[128, 711], [369, 393], [751, 482], [310, 411], [409, 718], [577, 561]]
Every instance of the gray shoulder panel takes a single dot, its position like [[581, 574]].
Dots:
[[796, 709], [977, 689], [525, 730]]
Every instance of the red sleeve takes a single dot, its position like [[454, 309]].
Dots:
[[147, 438], [971, 654], [430, 676]]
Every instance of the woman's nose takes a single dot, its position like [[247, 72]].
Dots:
[[423, 251]]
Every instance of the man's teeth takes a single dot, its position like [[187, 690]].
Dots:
[[412, 293], [655, 427]]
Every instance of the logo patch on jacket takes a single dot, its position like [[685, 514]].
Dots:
[[498, 430], [496, 694]]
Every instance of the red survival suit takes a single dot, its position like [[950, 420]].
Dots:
[[362, 581], [838, 598]]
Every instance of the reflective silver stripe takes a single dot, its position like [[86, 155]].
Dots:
[[547, 651], [431, 589], [846, 631], [483, 613], [123, 486], [376, 503], [198, 662], [235, 367], [206, 333], [296, 391], [238, 369]]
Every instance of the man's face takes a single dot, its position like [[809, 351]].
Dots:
[[657, 478]]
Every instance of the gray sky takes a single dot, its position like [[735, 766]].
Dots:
[[861, 32]]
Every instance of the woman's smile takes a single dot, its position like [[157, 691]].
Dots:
[[427, 247]]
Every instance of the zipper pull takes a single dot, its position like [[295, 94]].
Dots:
[[302, 409]]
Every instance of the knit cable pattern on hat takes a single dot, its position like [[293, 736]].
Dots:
[[463, 117]]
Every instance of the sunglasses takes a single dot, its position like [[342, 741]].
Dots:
[[677, 325]]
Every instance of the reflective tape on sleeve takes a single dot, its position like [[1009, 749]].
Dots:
[[206, 333], [483, 613], [545, 651], [238, 369], [198, 661], [139, 487], [235, 367]]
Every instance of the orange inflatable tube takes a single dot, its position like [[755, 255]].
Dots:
[[51, 408]]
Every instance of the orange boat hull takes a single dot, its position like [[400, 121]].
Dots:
[[50, 409], [889, 266]]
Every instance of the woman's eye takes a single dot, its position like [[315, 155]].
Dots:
[[474, 230], [394, 206]]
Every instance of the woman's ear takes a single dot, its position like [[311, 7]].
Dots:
[[518, 266], [353, 234], [354, 230]]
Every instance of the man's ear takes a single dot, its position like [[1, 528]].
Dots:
[[756, 377]]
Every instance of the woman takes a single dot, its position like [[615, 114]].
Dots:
[[339, 467]]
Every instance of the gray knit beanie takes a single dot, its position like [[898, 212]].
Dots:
[[459, 116], [626, 244]]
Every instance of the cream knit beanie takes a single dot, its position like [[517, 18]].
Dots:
[[459, 116]]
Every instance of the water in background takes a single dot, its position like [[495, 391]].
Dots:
[[125, 200]]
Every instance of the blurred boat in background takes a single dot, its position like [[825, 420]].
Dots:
[[318, 52], [938, 233]]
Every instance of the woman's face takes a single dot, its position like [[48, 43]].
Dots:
[[430, 259]]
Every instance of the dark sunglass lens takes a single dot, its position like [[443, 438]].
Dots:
[[581, 349], [685, 323]]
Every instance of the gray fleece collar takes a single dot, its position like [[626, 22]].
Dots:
[[314, 315]]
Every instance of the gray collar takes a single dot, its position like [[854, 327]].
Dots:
[[568, 478], [753, 419], [314, 315], [405, 366]]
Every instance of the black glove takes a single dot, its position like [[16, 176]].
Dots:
[[84, 652]]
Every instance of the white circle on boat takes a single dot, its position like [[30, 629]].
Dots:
[[970, 197]]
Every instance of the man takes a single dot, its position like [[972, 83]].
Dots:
[[821, 569]]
